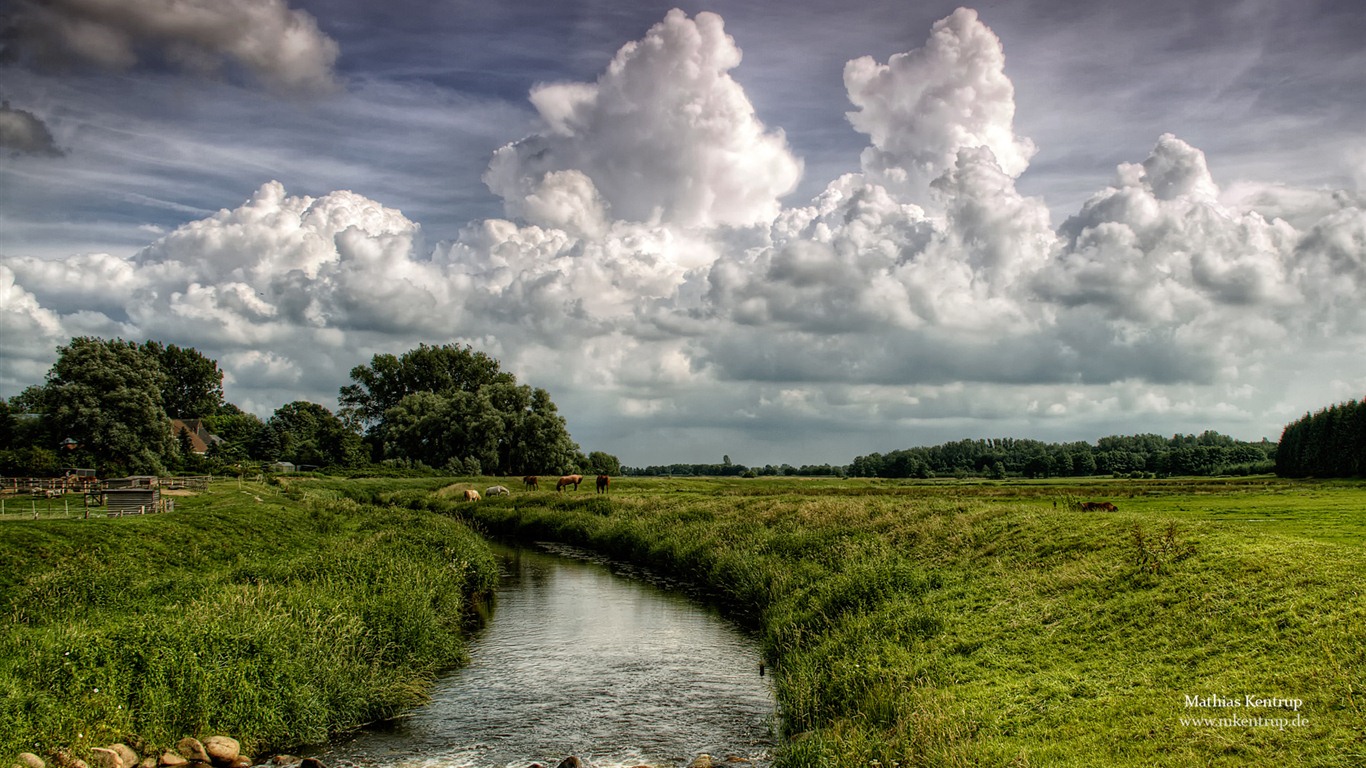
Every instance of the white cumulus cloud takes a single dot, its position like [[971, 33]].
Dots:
[[648, 272], [665, 135], [924, 106]]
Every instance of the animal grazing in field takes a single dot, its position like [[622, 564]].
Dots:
[[498, 490], [471, 495], [603, 482], [531, 481], [1098, 506], [573, 480]]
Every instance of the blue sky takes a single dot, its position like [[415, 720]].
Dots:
[[796, 235]]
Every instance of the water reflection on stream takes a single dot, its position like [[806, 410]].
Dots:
[[579, 661]]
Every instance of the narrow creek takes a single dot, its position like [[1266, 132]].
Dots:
[[582, 657]]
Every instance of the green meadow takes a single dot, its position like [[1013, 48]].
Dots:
[[1206, 622]]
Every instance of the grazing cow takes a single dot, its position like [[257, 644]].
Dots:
[[573, 480], [471, 495], [603, 482], [498, 490], [531, 481], [1098, 506]]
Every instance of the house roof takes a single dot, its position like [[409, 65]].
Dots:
[[200, 438]]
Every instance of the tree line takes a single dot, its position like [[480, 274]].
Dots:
[[727, 468], [1208, 453], [110, 405], [1330, 442]]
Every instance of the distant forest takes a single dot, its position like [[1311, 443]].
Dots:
[[1328, 443], [1209, 453]]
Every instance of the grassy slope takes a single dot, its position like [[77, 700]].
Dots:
[[266, 616], [980, 624]]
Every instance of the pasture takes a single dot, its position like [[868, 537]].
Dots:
[[1204, 622]]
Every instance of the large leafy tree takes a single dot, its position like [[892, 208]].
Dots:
[[194, 385], [444, 370], [307, 433], [105, 397], [237, 430], [451, 407], [603, 463]]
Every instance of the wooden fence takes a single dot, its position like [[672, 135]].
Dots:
[[35, 497]]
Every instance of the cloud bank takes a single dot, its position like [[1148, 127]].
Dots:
[[651, 273]]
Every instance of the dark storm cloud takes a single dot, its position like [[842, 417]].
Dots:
[[23, 133], [281, 46]]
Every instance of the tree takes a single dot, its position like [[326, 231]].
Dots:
[[600, 463], [1328, 443], [307, 433], [446, 369], [449, 406], [239, 432], [194, 385], [9, 426], [106, 396], [1038, 465]]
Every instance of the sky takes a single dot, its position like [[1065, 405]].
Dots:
[[784, 234]]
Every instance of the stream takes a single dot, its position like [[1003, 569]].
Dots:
[[585, 657]]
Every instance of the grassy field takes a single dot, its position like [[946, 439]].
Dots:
[[942, 623], [274, 617], [1214, 622]]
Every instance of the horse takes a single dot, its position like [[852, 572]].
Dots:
[[471, 495], [603, 482], [573, 480], [498, 490], [531, 481], [1098, 506]]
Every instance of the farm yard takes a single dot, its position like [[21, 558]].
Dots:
[[1209, 621], [34, 498]]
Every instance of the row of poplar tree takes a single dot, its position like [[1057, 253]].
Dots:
[[1328, 443]]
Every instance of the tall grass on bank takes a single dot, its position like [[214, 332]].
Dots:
[[276, 619], [995, 624]]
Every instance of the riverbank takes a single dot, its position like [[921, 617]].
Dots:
[[1202, 623], [278, 618]]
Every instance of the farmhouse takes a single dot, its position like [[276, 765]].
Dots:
[[200, 437]]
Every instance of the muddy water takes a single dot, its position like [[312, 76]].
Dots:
[[580, 660]]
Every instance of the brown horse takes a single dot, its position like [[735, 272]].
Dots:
[[603, 482], [1098, 506], [531, 481], [573, 480]]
